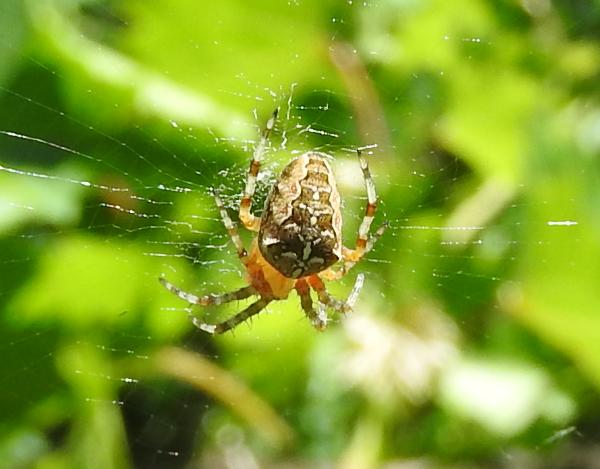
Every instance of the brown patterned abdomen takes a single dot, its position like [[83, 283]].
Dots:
[[300, 231]]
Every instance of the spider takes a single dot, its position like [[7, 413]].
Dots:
[[299, 239]]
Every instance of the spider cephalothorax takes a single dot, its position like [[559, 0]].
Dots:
[[299, 239]]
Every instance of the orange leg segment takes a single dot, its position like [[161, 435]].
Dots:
[[317, 318]]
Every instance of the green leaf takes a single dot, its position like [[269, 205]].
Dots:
[[83, 280]]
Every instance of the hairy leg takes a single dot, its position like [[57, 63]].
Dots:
[[337, 305], [349, 259], [317, 318], [363, 230], [210, 299], [232, 322], [248, 219], [231, 228]]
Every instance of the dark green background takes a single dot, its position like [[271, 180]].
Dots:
[[476, 339]]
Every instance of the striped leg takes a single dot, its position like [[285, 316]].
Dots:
[[317, 318], [363, 231], [240, 317], [364, 242], [250, 221], [210, 299], [231, 228], [349, 262], [340, 306]]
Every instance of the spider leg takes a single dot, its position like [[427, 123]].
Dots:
[[364, 242], [248, 219], [349, 260], [231, 228], [317, 318], [230, 323], [210, 299], [363, 230], [337, 305]]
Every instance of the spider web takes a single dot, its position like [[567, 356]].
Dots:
[[95, 210]]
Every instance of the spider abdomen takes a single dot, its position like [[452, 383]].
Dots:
[[301, 226]]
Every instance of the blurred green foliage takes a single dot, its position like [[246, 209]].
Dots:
[[476, 340]]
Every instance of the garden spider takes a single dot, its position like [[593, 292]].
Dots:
[[299, 239]]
